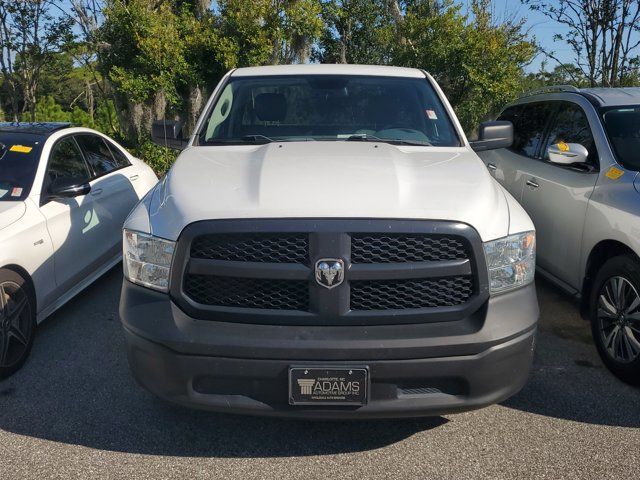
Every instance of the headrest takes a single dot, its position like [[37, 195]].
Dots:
[[270, 107]]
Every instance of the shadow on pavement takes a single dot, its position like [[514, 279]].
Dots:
[[76, 388], [569, 381]]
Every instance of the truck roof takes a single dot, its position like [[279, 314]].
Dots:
[[329, 69]]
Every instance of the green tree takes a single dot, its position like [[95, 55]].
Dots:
[[30, 35], [566, 74], [271, 31], [602, 34], [479, 64], [355, 31], [143, 59]]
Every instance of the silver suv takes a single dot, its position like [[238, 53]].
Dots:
[[574, 168]]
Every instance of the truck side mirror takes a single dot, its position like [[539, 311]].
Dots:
[[168, 133], [493, 135]]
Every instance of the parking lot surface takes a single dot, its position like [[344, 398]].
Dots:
[[75, 412]]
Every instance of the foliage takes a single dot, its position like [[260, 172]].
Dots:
[[478, 64], [270, 31], [356, 31], [47, 109], [603, 35], [145, 53], [157, 157], [29, 35]]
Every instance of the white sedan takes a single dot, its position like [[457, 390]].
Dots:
[[64, 195]]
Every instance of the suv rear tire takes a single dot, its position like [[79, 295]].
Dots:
[[614, 308], [17, 321]]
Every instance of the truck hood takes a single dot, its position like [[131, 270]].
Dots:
[[329, 180], [11, 212]]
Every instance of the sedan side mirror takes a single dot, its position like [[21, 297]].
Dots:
[[567, 153], [492, 135], [69, 191], [168, 133]]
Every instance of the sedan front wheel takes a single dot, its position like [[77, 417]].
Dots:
[[17, 321]]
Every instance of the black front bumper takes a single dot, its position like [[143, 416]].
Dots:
[[431, 368]]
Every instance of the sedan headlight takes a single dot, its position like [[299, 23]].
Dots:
[[147, 260], [511, 261]]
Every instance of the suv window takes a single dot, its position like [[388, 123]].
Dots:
[[513, 115], [571, 126], [623, 128], [529, 123], [66, 165], [98, 154]]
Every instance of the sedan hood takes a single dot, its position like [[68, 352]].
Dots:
[[329, 180], [11, 212]]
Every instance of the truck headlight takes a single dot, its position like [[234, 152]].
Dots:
[[511, 261], [147, 260]]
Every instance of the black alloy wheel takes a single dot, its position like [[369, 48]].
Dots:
[[615, 316], [17, 322]]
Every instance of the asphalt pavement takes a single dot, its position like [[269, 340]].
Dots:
[[74, 411]]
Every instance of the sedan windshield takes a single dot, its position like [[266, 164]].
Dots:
[[623, 128], [19, 154], [328, 107]]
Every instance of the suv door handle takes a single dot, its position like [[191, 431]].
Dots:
[[96, 192], [492, 167], [134, 177], [532, 184]]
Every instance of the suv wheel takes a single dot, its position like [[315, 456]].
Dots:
[[615, 316], [17, 321]]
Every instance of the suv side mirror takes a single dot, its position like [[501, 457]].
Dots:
[[168, 133], [492, 135], [567, 153]]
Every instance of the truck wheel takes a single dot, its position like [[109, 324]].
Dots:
[[17, 321], [615, 316]]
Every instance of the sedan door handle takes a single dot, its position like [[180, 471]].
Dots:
[[492, 167], [96, 192], [134, 177], [532, 184]]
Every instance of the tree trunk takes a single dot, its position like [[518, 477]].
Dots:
[[90, 100], [159, 108], [195, 102], [398, 18]]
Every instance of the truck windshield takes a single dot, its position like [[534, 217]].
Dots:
[[328, 107], [19, 154], [623, 128]]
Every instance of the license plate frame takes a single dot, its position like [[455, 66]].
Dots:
[[337, 385]]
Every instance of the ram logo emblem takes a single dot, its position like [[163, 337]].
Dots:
[[329, 272]]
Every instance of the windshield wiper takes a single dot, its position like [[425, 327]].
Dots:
[[257, 138], [365, 137], [261, 139]]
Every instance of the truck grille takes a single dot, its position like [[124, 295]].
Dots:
[[248, 292], [269, 247], [402, 294], [377, 248], [262, 271]]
